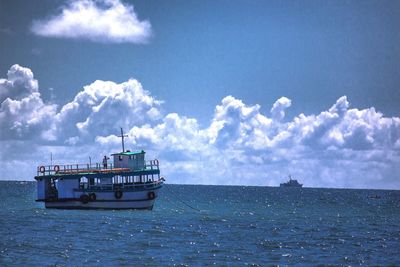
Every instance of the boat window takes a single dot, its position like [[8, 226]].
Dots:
[[120, 158], [83, 183]]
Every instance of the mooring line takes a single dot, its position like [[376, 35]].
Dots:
[[183, 202], [172, 202]]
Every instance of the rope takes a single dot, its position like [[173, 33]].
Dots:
[[183, 202]]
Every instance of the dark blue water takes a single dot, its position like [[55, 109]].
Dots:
[[236, 226]]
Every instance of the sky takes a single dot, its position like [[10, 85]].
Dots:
[[221, 92]]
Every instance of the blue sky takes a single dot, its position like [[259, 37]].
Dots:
[[188, 58]]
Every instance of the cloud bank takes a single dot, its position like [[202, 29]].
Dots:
[[339, 147], [110, 21]]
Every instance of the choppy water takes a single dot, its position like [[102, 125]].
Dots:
[[236, 226]]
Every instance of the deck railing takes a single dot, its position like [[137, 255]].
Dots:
[[45, 170], [151, 164], [148, 184]]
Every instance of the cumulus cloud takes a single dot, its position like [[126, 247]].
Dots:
[[102, 107], [236, 124], [102, 21], [99, 109], [339, 147], [19, 83], [278, 109], [23, 113]]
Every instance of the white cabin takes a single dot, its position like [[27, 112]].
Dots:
[[131, 160]]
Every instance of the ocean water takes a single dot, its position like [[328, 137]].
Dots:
[[206, 225]]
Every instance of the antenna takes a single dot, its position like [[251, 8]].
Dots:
[[123, 137]]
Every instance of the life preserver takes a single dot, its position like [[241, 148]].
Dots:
[[151, 195], [56, 168], [42, 169], [118, 194], [92, 197], [156, 162], [84, 198]]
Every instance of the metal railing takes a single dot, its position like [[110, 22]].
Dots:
[[149, 184], [151, 164], [45, 170]]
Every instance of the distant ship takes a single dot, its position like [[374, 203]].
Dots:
[[291, 183]]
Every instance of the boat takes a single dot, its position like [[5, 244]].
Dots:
[[291, 183], [130, 182]]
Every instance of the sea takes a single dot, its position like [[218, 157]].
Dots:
[[200, 225]]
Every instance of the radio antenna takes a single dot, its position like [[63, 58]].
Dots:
[[122, 137]]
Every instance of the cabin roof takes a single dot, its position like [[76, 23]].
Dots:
[[128, 153]]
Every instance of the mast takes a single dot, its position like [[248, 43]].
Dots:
[[123, 137]]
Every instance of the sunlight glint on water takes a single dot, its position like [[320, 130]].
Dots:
[[235, 225]]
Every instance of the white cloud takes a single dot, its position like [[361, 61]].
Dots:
[[19, 83], [278, 109], [336, 148], [236, 124], [339, 147], [101, 21], [23, 113], [102, 107], [99, 109]]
